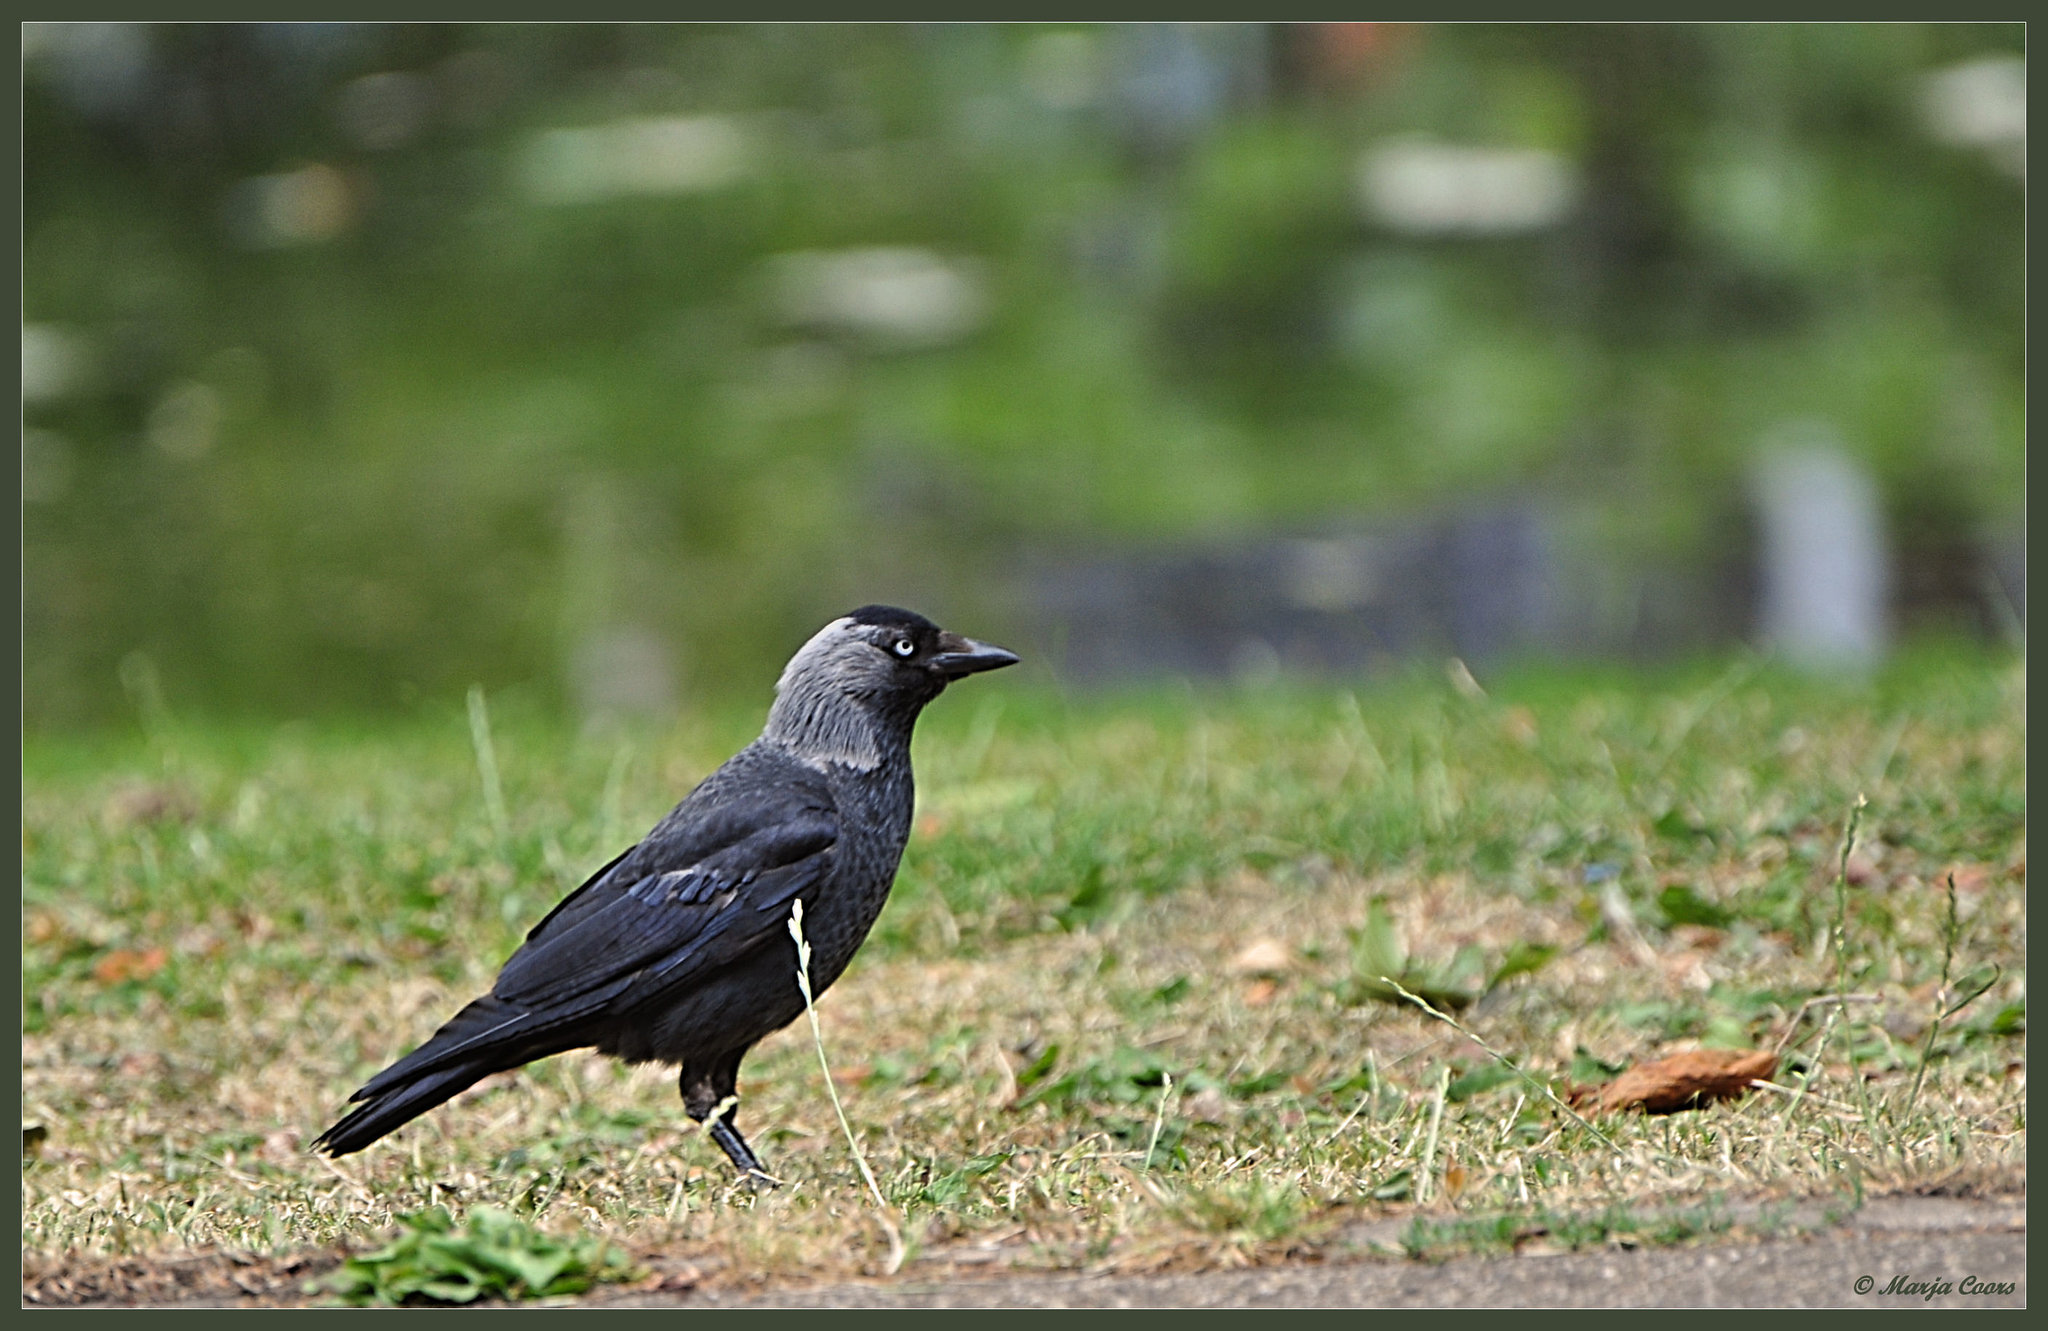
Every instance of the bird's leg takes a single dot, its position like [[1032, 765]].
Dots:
[[735, 1146], [708, 1093]]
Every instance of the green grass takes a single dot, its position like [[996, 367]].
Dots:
[[1045, 1044], [1617, 1225]]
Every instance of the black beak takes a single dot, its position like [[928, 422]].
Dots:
[[959, 656]]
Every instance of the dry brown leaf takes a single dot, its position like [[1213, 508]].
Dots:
[[1969, 877], [1455, 1178], [1687, 1080], [1259, 993], [1262, 956], [127, 963]]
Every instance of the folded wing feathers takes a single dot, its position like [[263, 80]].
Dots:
[[704, 887]]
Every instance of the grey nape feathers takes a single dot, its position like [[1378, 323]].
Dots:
[[678, 951]]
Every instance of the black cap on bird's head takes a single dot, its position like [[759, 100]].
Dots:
[[866, 675], [912, 640], [892, 617]]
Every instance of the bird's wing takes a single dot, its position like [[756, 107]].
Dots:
[[752, 792], [581, 896], [700, 891], [661, 917]]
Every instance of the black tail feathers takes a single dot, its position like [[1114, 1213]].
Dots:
[[487, 1036], [396, 1107]]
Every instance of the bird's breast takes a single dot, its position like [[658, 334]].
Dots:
[[839, 913]]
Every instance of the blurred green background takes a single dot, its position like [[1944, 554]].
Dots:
[[601, 364]]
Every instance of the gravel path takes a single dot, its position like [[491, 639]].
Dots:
[[1972, 1253]]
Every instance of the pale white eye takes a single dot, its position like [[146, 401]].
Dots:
[[905, 647]]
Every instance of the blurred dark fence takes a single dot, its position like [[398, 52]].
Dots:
[[1480, 584], [1487, 584], [364, 362]]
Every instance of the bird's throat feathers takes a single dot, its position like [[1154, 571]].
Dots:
[[823, 712], [821, 729]]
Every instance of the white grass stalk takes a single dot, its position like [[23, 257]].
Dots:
[[1879, 1132], [803, 982], [1372, 1068], [1350, 1118], [1158, 1119], [614, 787], [1425, 1186], [1499, 1057], [1946, 1002], [487, 761]]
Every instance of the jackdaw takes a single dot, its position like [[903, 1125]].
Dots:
[[679, 950]]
